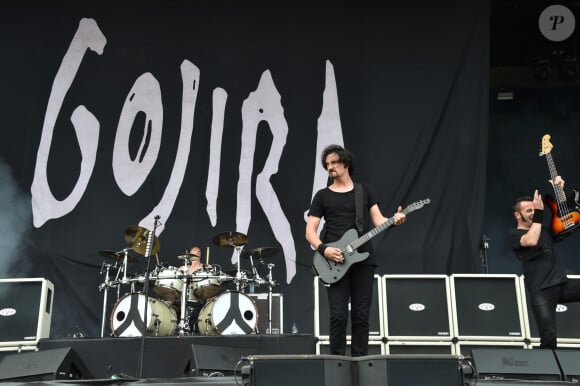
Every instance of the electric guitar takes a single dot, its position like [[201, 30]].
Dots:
[[565, 212], [330, 271]]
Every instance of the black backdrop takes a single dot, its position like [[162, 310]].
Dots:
[[403, 86]]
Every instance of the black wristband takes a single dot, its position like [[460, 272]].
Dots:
[[321, 248], [538, 215]]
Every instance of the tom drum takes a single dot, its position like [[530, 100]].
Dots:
[[169, 283]]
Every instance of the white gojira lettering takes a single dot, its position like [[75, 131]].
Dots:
[[44, 205], [264, 104], [329, 132], [144, 97], [190, 81]]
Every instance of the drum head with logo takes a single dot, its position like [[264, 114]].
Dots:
[[229, 313]]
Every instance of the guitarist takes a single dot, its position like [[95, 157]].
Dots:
[[545, 279], [336, 204]]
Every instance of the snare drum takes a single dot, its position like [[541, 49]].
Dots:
[[169, 284], [127, 317], [229, 313], [205, 283]]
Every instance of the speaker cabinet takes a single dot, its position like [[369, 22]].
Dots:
[[38, 366], [464, 347], [569, 361], [567, 316], [303, 370], [487, 307], [277, 314], [418, 307], [494, 363], [375, 348], [212, 360], [422, 348], [25, 311], [322, 313], [405, 370]]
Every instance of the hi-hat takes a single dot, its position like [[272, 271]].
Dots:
[[137, 236], [230, 239], [188, 256], [119, 256], [260, 252]]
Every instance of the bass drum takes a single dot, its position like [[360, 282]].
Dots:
[[229, 313], [127, 317]]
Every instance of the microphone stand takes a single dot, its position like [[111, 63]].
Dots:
[[483, 252], [105, 288], [148, 248]]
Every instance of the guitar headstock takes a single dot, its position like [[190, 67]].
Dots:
[[546, 145], [417, 205]]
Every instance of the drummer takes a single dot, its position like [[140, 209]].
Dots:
[[195, 263]]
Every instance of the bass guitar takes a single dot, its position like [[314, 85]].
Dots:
[[330, 271], [565, 212]]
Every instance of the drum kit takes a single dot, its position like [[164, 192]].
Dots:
[[185, 301]]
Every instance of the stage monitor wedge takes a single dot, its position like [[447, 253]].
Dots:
[[303, 370], [512, 363], [408, 370], [569, 361], [44, 365]]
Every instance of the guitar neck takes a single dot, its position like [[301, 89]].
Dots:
[[372, 233], [558, 190]]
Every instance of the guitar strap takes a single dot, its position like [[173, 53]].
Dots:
[[358, 202]]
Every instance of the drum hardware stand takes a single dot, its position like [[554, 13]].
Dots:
[[157, 323], [183, 324], [239, 285], [271, 283], [105, 288], [148, 253]]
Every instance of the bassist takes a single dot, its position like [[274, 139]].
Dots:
[[544, 276], [336, 204]]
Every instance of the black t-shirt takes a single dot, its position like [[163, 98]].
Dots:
[[339, 213], [540, 264]]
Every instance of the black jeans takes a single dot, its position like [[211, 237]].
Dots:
[[544, 304], [358, 285]]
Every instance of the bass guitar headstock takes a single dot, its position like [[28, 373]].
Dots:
[[546, 145]]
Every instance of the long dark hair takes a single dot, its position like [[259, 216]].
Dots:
[[344, 156]]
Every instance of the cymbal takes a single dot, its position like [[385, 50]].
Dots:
[[136, 237], [260, 252], [230, 239], [188, 256], [119, 256]]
